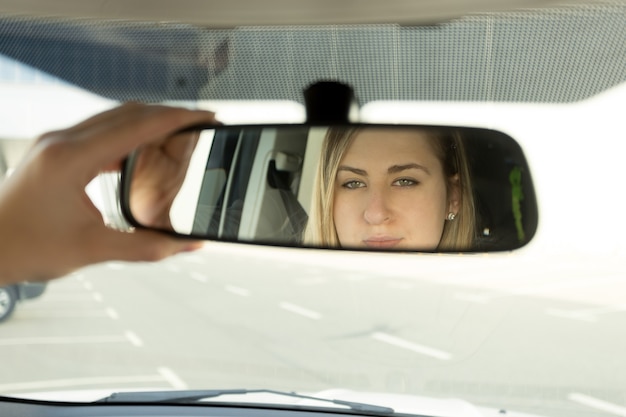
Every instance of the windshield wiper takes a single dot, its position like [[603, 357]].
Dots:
[[191, 396]]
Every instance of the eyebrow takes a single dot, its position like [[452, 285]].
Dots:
[[357, 171], [399, 168], [394, 169]]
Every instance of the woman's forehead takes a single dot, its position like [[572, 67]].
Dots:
[[380, 146]]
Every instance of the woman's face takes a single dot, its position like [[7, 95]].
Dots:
[[390, 192]]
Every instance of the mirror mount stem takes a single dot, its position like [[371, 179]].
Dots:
[[330, 102]]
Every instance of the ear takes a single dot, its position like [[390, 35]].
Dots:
[[454, 194]]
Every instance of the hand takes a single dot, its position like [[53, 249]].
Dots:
[[49, 226]]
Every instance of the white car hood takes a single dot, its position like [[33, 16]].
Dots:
[[401, 403], [413, 404]]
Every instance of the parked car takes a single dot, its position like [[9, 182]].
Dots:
[[11, 295]]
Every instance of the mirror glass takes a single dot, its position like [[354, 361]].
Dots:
[[370, 187]]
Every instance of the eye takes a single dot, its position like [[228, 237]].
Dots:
[[405, 182], [353, 184]]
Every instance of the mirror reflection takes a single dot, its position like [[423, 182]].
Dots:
[[408, 188]]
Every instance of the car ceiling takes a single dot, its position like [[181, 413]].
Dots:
[[557, 55], [232, 13]]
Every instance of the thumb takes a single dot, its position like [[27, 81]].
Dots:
[[140, 245]]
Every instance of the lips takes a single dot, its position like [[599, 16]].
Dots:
[[382, 242]]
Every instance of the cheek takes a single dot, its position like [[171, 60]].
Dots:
[[424, 218], [344, 215]]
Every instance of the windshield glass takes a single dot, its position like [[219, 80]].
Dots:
[[536, 330]]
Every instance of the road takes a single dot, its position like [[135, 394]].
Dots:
[[551, 343]]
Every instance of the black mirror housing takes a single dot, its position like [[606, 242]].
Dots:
[[342, 186]]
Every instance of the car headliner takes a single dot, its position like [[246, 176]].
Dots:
[[230, 13], [553, 55]]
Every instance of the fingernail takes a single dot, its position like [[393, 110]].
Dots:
[[192, 247]]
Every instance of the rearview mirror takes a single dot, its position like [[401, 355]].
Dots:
[[409, 188]]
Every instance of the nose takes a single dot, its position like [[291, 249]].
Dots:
[[377, 209]]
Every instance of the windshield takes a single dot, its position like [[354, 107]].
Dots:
[[537, 330]]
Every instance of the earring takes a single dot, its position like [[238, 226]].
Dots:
[[451, 216]]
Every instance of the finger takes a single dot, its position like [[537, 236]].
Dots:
[[152, 123], [99, 118], [131, 124], [141, 245], [180, 147], [105, 117], [112, 167], [126, 110]]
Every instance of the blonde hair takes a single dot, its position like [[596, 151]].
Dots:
[[448, 146]]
